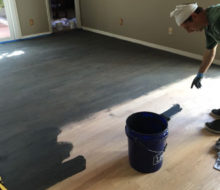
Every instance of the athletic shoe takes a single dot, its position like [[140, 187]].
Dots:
[[213, 126], [215, 113]]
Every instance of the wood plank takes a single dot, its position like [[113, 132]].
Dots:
[[188, 160]]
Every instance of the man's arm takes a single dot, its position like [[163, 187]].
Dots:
[[208, 58]]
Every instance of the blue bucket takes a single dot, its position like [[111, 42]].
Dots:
[[147, 133]]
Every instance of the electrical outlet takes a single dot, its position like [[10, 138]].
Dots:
[[31, 22], [170, 30], [121, 21]]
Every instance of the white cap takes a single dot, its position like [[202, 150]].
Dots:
[[182, 12]]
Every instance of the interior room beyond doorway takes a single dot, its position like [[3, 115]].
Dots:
[[63, 15]]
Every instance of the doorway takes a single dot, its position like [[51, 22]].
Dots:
[[63, 15]]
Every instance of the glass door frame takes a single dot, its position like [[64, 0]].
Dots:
[[13, 21]]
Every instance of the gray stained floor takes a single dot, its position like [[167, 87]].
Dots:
[[66, 77]]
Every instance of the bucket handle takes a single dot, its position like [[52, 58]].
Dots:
[[143, 145], [171, 111]]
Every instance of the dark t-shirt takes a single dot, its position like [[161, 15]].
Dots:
[[212, 31]]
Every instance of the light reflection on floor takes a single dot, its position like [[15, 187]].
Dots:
[[12, 54]]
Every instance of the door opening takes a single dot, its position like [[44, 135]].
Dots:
[[63, 15]]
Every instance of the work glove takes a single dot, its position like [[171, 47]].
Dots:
[[197, 81]]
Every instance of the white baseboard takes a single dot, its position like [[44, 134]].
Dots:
[[160, 47], [35, 35]]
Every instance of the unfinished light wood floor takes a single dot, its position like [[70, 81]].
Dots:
[[189, 157]]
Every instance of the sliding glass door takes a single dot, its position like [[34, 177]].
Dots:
[[9, 27], [4, 25]]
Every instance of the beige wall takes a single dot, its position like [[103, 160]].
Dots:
[[146, 20], [36, 10]]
